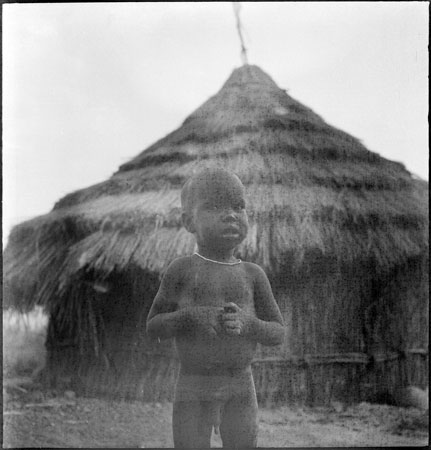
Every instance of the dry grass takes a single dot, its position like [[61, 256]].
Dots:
[[24, 350]]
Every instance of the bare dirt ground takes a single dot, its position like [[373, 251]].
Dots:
[[34, 418]]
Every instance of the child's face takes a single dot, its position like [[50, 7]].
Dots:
[[219, 218]]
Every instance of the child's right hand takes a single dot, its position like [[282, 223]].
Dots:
[[204, 320], [235, 320]]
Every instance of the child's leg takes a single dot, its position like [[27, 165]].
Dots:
[[192, 424], [238, 427]]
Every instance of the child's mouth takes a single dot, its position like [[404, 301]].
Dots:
[[231, 232]]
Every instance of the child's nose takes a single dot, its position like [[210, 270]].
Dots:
[[229, 214]]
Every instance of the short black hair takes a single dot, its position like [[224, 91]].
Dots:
[[211, 179]]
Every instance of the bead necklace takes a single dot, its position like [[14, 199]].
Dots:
[[218, 262]]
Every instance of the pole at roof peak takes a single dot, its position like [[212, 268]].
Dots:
[[236, 8]]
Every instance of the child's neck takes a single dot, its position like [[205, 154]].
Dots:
[[216, 255]]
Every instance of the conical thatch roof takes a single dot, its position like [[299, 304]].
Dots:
[[312, 190]]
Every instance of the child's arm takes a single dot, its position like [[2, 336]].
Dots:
[[267, 326], [165, 320]]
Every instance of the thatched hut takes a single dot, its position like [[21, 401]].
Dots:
[[341, 232]]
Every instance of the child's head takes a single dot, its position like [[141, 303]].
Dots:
[[217, 185], [213, 203]]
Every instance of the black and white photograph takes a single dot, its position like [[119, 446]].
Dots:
[[215, 224]]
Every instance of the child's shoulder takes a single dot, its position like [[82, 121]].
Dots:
[[182, 260], [254, 270], [179, 266]]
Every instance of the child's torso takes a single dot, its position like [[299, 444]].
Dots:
[[214, 285]]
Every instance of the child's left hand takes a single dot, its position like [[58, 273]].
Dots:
[[235, 320]]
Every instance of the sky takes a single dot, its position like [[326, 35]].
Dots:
[[88, 86]]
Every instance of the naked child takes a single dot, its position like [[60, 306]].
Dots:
[[217, 308]]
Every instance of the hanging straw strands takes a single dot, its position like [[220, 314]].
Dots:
[[352, 205]]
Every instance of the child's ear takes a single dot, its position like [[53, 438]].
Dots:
[[188, 222]]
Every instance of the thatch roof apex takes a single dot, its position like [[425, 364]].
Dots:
[[248, 105], [249, 74]]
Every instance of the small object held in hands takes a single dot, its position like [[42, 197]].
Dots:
[[231, 310]]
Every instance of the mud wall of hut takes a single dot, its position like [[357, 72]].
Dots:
[[349, 337]]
